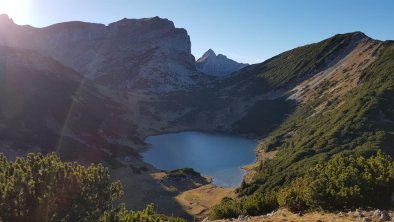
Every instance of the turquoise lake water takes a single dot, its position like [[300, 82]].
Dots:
[[219, 156]]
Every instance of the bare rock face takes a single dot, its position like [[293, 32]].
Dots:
[[44, 107], [217, 65], [149, 54]]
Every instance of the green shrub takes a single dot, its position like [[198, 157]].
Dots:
[[293, 197], [256, 204], [147, 215], [344, 182], [228, 208], [43, 188], [183, 173]]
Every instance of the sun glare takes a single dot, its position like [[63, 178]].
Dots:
[[15, 9]]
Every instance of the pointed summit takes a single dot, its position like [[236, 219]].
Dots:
[[217, 65], [353, 36], [5, 20], [4, 16], [208, 54]]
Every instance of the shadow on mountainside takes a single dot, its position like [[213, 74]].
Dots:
[[153, 186]]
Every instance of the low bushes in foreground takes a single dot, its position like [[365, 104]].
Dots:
[[342, 183], [121, 214], [253, 205], [44, 188]]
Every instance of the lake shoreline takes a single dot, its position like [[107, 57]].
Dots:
[[218, 155], [211, 194]]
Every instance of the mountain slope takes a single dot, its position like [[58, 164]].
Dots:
[[149, 54], [297, 76], [94, 92], [343, 106], [258, 98], [290, 68], [358, 121], [46, 106], [217, 65]]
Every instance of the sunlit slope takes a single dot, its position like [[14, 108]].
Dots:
[[289, 68], [299, 77], [360, 122]]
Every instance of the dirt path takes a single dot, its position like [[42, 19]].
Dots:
[[284, 215]]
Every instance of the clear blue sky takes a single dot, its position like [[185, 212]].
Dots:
[[245, 30]]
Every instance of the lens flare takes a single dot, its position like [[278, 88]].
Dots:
[[15, 9]]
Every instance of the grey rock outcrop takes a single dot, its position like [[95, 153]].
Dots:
[[384, 216], [358, 213], [148, 53], [217, 65]]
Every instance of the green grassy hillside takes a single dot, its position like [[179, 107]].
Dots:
[[289, 67], [279, 74], [359, 124], [362, 125]]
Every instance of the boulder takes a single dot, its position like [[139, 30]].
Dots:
[[358, 213], [384, 216], [205, 219], [271, 214], [243, 217], [377, 213]]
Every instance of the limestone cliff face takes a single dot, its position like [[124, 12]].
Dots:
[[149, 54]]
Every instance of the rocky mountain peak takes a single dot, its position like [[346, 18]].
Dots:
[[217, 65], [148, 53], [353, 36], [359, 34], [153, 23], [5, 20], [208, 54]]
